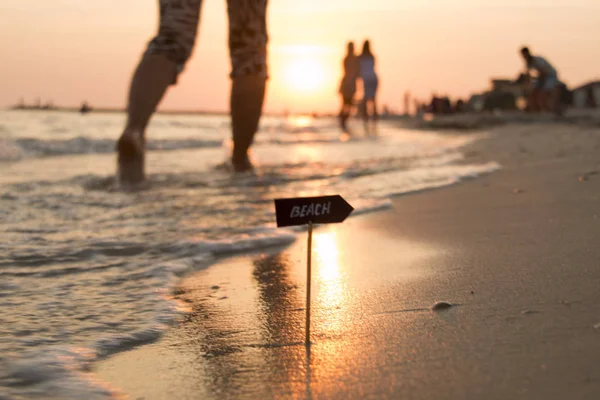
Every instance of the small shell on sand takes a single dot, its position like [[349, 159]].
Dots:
[[597, 326], [441, 305]]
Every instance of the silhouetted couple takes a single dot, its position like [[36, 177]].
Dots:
[[355, 67]]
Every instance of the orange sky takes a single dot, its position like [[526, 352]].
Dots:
[[75, 50]]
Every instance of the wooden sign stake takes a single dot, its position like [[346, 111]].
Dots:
[[308, 281]]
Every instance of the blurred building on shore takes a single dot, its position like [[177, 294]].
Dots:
[[587, 95]]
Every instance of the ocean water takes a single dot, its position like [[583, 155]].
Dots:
[[87, 270]]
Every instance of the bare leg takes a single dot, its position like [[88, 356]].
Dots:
[[247, 97], [364, 106], [375, 114], [248, 51], [162, 61], [344, 115], [152, 77], [554, 101], [538, 100], [531, 106], [364, 111], [543, 100]]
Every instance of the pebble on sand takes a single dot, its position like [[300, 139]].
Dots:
[[525, 312], [586, 176], [441, 305]]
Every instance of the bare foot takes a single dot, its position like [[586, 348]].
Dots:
[[130, 160], [244, 165]]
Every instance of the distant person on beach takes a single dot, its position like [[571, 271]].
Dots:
[[370, 82], [85, 108], [165, 58], [544, 93], [348, 85]]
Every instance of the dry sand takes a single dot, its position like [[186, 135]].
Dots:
[[516, 252]]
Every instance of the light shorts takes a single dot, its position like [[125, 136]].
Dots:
[[547, 82]]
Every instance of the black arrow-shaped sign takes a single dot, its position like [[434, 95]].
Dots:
[[318, 210]]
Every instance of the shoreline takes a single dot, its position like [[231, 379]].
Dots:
[[101, 110], [525, 157]]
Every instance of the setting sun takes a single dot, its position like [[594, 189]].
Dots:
[[305, 74]]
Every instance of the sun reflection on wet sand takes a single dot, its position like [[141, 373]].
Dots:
[[331, 300], [329, 270]]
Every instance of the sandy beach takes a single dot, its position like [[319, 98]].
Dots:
[[515, 252]]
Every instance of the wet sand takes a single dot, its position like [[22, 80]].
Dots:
[[516, 252]]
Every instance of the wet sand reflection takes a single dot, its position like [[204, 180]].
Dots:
[[248, 333]]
